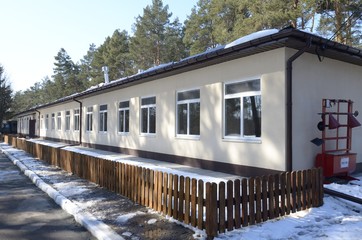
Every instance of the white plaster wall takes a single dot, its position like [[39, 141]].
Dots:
[[269, 153], [312, 81], [55, 133]]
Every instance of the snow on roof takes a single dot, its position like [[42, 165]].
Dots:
[[251, 37]]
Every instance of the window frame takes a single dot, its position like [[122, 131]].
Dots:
[[188, 102], [125, 120], [76, 120], [67, 120], [103, 119], [148, 107], [89, 119], [59, 121], [241, 96]]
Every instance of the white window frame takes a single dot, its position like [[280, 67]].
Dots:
[[42, 122], [67, 120], [89, 119], [59, 121], [125, 123], [240, 95], [103, 119], [76, 120], [148, 107], [188, 102]]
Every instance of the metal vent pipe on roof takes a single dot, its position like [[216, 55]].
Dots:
[[105, 70]]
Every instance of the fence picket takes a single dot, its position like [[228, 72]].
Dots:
[[244, 202], [282, 194], [187, 201], [237, 203], [258, 199], [271, 196], [200, 204], [175, 196], [181, 197], [230, 205], [264, 186], [222, 207], [193, 201]]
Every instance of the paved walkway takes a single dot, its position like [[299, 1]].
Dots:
[[26, 212]]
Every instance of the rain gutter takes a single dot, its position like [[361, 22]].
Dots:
[[289, 106]]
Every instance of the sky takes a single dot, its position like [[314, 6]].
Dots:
[[33, 32]]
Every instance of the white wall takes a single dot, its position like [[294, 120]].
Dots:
[[313, 81], [269, 153]]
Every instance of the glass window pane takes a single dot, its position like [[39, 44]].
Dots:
[[194, 118], [147, 101], [103, 107], [194, 94], [105, 121], [120, 121], [126, 124], [152, 112], [144, 117], [252, 116], [240, 87], [124, 104], [101, 122], [182, 119], [232, 117]]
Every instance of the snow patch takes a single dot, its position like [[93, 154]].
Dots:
[[124, 218], [251, 37], [152, 221]]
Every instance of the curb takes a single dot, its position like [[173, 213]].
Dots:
[[97, 228]]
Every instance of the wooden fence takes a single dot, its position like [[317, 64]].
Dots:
[[213, 207]]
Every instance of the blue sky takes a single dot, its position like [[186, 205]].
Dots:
[[32, 32]]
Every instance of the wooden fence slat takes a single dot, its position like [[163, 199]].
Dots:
[[299, 190], [264, 186], [193, 201], [258, 199], [282, 193], [170, 195], [222, 207], [181, 198], [304, 189], [164, 195], [237, 203], [200, 204], [211, 210], [276, 195], [314, 199], [271, 196], [251, 201], [294, 191], [159, 191], [288, 193], [230, 205], [187, 201], [244, 202], [175, 196]]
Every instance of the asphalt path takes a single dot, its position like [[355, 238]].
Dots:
[[26, 212]]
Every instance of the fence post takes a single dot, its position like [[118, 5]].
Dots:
[[211, 210]]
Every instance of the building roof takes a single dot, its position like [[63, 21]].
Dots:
[[254, 43]]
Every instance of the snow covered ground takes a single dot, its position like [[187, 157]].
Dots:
[[336, 219]]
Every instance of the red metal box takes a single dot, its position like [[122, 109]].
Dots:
[[334, 164]]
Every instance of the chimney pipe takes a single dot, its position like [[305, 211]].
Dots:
[[105, 70]]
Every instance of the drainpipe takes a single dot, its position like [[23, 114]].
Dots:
[[289, 109], [80, 119]]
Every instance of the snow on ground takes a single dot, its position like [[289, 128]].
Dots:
[[336, 219]]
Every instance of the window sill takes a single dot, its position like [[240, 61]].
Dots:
[[151, 135], [123, 133], [242, 140], [188, 137]]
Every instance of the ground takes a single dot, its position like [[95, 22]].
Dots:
[[336, 219]]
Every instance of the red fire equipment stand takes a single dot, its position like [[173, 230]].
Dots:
[[336, 126]]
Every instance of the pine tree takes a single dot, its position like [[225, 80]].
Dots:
[[5, 96], [153, 34]]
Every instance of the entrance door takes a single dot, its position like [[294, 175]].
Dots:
[[32, 128]]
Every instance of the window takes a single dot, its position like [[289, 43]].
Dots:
[[89, 119], [53, 121], [59, 121], [42, 126], [67, 120], [76, 120], [242, 110], [46, 122], [188, 113], [148, 115], [103, 118], [123, 117]]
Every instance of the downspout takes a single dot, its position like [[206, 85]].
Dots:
[[289, 106], [80, 119]]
